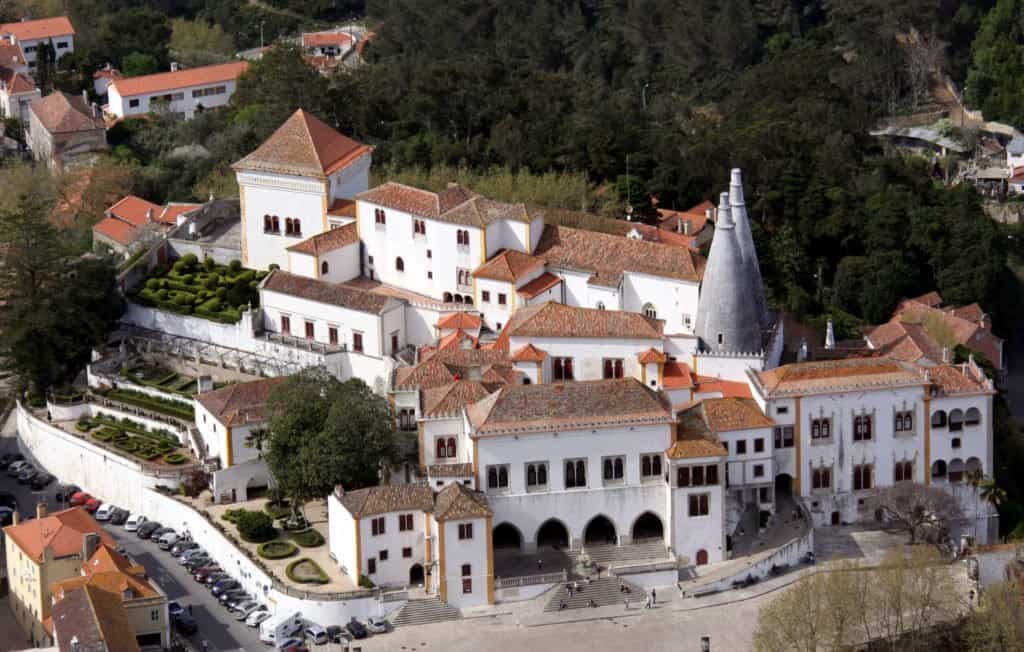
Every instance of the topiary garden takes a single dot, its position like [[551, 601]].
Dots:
[[208, 290], [277, 549], [310, 538], [306, 571], [133, 437], [254, 527]]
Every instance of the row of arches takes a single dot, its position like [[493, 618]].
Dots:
[[600, 530], [464, 299], [956, 470], [956, 419]]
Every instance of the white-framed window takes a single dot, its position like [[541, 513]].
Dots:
[[863, 475], [650, 466], [699, 504], [536, 476], [821, 428], [575, 473], [613, 470], [497, 478]]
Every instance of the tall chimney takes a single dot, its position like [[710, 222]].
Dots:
[[174, 66], [830, 336], [945, 355], [686, 227], [40, 510], [85, 96], [90, 544], [149, 215]]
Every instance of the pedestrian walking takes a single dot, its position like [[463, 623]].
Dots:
[[626, 602], [540, 565], [682, 593], [647, 602], [593, 605], [654, 597]]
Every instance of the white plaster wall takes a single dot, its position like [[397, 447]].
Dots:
[[285, 196], [975, 441], [341, 535], [553, 293], [299, 310], [520, 593], [741, 467], [302, 264], [395, 571], [351, 179], [588, 354], [598, 295], [420, 324], [238, 478], [212, 433], [119, 105], [393, 324], [68, 41], [493, 312], [673, 299], [469, 551], [694, 533], [725, 367], [235, 336], [433, 429], [342, 264], [507, 234], [536, 230]]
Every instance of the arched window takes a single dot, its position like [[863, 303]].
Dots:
[[908, 421], [276, 223], [656, 465], [399, 264], [939, 469], [323, 268], [447, 297], [650, 311], [268, 224], [938, 419], [570, 474], [458, 298], [815, 429], [645, 466], [441, 449], [618, 468], [379, 217], [469, 301], [503, 476], [451, 447], [600, 305], [296, 226], [956, 420], [972, 417], [288, 226], [899, 421]]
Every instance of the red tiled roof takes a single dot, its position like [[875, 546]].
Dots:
[[690, 447], [728, 388], [240, 403], [508, 266], [62, 113], [968, 332], [652, 355], [448, 365], [959, 379], [95, 619], [110, 571], [451, 398], [135, 210], [455, 204], [304, 146], [169, 81], [459, 320], [542, 283], [970, 312], [838, 375], [314, 39], [334, 294], [734, 413], [552, 319], [931, 299], [29, 30], [10, 55], [171, 212], [15, 81], [343, 208], [457, 501], [116, 230], [328, 241], [676, 375], [383, 499], [529, 353], [62, 532]]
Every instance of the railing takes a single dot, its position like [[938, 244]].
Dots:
[[394, 596], [530, 580], [304, 343]]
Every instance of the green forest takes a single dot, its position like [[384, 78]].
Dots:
[[560, 98]]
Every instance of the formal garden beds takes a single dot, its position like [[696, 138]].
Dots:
[[135, 439], [169, 407], [160, 378], [306, 571], [205, 289]]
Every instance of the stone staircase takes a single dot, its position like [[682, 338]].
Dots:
[[604, 592], [635, 553], [423, 611]]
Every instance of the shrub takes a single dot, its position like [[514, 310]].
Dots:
[[235, 265], [106, 433], [255, 527], [179, 267], [189, 260], [211, 282], [276, 549], [273, 266], [208, 263], [296, 525], [310, 538], [277, 511], [231, 515], [162, 294], [153, 284], [366, 582], [174, 458], [306, 571], [84, 425]]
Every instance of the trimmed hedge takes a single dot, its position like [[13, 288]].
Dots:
[[175, 458], [310, 538], [277, 549], [215, 292], [306, 571], [145, 401], [277, 511]]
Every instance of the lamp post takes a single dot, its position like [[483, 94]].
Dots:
[[261, 33]]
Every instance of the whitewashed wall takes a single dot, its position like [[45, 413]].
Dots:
[[342, 264], [120, 105], [588, 354], [264, 193], [468, 551], [674, 300]]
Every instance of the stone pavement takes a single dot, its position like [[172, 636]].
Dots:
[[11, 635], [856, 542]]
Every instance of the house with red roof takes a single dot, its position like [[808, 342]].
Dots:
[[133, 220], [65, 130], [29, 34], [181, 90], [17, 89]]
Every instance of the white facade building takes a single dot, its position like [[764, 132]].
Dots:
[[179, 91], [29, 34]]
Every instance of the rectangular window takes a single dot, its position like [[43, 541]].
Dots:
[[821, 478], [430, 275], [782, 409], [536, 476], [862, 427], [697, 476], [502, 299], [154, 615], [371, 566], [404, 522], [465, 531], [650, 466], [133, 103], [407, 419], [485, 296], [613, 368], [497, 478], [286, 324], [699, 505], [406, 553], [759, 445], [683, 476], [821, 428], [711, 474], [357, 342], [613, 470], [309, 330], [575, 473], [467, 585], [382, 555], [783, 436], [904, 421], [741, 446], [764, 495], [332, 335], [562, 368], [377, 526], [759, 470], [862, 476]]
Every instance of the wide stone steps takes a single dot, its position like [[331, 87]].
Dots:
[[620, 555], [604, 592], [423, 611]]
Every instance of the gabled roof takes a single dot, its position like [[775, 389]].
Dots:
[[96, 619], [566, 406], [326, 292], [117, 230], [552, 319], [62, 113], [15, 81], [694, 436], [313, 39], [240, 403], [960, 379], [111, 571], [135, 210], [460, 320], [607, 257], [455, 204], [178, 79], [509, 266], [457, 501], [10, 55], [304, 146], [727, 388], [677, 375], [542, 283], [652, 356], [328, 241], [174, 209], [529, 353], [343, 208], [29, 30], [836, 376], [451, 398], [62, 532], [449, 365], [730, 413], [385, 499]]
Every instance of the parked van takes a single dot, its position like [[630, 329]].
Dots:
[[168, 540], [134, 521], [281, 628]]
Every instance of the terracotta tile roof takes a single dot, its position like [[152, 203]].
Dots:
[[333, 294], [15, 81], [62, 531], [730, 388], [694, 436], [103, 73], [959, 379], [567, 406], [384, 499], [690, 446], [10, 55], [178, 79], [135, 210], [652, 355], [455, 204], [552, 319], [61, 113], [343, 208], [173, 210], [457, 339], [451, 398], [329, 240], [725, 414], [457, 501], [837, 375], [664, 236], [542, 283], [696, 216], [96, 618], [304, 146], [529, 353], [932, 299], [971, 312], [110, 571], [971, 333], [676, 375], [909, 342], [116, 230], [449, 365], [314, 39], [29, 30], [450, 470], [508, 266], [608, 257], [459, 320], [240, 403]]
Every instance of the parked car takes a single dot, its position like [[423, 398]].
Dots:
[[198, 561], [338, 634], [316, 633], [183, 546], [92, 505], [255, 618], [186, 624], [26, 475], [41, 480], [14, 468], [233, 595], [377, 625], [147, 529], [118, 516], [357, 629], [158, 533], [238, 597], [104, 512], [134, 522], [244, 608], [7, 459], [224, 585], [215, 577], [174, 609], [188, 554], [200, 574], [65, 492], [167, 541], [290, 643]]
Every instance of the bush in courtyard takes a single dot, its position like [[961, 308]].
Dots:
[[189, 260], [310, 538], [366, 583], [235, 266], [208, 263], [306, 571], [175, 458], [231, 515], [211, 282], [255, 527], [277, 510], [153, 284], [277, 549]]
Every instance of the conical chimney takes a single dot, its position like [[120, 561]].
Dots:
[[830, 336], [746, 243]]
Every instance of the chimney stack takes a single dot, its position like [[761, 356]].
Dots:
[[85, 96], [945, 355], [801, 354], [40, 510], [830, 336], [174, 66], [149, 215], [15, 518], [339, 490], [686, 227], [90, 544]]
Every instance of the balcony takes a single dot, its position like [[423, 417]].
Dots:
[[303, 343]]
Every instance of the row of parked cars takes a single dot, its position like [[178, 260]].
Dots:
[[17, 467]]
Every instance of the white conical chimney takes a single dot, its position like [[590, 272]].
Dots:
[[801, 354], [746, 243], [830, 336]]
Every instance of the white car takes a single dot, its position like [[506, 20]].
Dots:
[[104, 512], [133, 522], [255, 618], [316, 633], [376, 625], [168, 540], [243, 610]]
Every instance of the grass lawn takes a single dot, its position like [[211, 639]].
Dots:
[[205, 289]]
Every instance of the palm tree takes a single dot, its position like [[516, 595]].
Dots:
[[992, 493]]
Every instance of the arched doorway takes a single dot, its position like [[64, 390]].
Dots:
[[600, 530], [647, 528], [416, 575], [702, 557], [835, 518], [553, 534], [783, 484], [507, 536]]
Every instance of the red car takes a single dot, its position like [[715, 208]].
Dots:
[[80, 498], [92, 505]]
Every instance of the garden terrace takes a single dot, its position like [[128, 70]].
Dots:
[[167, 407], [155, 449], [161, 378], [207, 289]]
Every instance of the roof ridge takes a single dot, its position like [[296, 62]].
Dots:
[[309, 135]]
